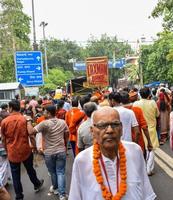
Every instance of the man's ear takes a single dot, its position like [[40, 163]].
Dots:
[[121, 129], [91, 130]]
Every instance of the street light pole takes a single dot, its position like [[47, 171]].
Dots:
[[44, 24], [35, 46], [143, 40]]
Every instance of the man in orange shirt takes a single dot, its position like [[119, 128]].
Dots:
[[73, 119], [125, 99], [15, 139]]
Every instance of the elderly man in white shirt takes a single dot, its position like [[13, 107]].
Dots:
[[110, 169]]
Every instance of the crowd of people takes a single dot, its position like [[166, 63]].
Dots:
[[111, 135]]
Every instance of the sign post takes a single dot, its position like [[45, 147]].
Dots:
[[97, 71], [29, 68]]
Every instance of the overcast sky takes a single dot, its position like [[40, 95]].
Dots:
[[78, 19]]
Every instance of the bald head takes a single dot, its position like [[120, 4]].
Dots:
[[104, 113], [107, 130]]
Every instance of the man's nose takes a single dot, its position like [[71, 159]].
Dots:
[[109, 129]]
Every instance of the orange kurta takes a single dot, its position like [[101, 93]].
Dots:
[[73, 118], [142, 124], [40, 119]]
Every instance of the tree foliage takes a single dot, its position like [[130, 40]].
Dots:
[[107, 46], [59, 52], [56, 77], [164, 8], [157, 59], [14, 30]]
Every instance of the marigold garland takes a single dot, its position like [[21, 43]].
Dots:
[[123, 173]]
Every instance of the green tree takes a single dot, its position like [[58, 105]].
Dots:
[[56, 77], [14, 30], [164, 8], [59, 52], [157, 59], [107, 46]]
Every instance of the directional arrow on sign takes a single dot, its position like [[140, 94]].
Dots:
[[39, 68], [20, 79], [38, 58]]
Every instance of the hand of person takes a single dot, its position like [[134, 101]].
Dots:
[[34, 150], [150, 147], [4, 194], [28, 118]]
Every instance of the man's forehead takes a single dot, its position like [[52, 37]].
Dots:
[[103, 114]]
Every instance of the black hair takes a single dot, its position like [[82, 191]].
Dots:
[[17, 96], [33, 97], [4, 106], [115, 96], [162, 105], [74, 102], [89, 108], [154, 91], [84, 99], [126, 89], [15, 105], [60, 104], [145, 92], [135, 89], [124, 97], [51, 109], [40, 101]]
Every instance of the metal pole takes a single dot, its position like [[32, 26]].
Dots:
[[45, 46], [35, 46]]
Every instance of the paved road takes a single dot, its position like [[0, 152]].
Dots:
[[42, 173], [162, 182]]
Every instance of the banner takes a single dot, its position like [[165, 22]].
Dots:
[[97, 71]]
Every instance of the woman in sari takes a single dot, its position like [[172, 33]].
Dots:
[[163, 104]]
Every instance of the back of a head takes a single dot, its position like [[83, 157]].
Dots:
[[124, 97], [126, 89], [94, 99], [83, 100], [51, 109], [145, 92], [4, 106], [115, 96], [60, 104], [133, 96], [89, 108], [15, 105], [17, 97], [74, 102], [154, 91], [33, 97]]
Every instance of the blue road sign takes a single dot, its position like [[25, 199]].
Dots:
[[120, 63], [29, 68]]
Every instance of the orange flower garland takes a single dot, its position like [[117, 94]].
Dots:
[[123, 173]]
